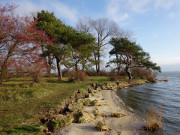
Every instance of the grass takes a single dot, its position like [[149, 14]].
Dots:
[[118, 115], [22, 102], [154, 120], [101, 126]]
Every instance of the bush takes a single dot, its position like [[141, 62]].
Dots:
[[94, 73], [36, 77], [115, 77], [76, 76], [144, 74]]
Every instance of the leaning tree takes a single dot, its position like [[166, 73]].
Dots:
[[130, 55], [17, 37]]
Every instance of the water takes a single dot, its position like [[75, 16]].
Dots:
[[165, 95]]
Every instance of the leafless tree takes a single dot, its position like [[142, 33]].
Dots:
[[103, 29], [84, 24]]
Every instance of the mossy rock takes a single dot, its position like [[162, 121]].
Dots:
[[78, 115], [86, 102], [65, 122], [101, 126], [81, 120], [94, 103]]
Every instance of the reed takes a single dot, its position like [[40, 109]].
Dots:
[[154, 119]]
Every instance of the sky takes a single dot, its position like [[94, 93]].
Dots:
[[154, 23]]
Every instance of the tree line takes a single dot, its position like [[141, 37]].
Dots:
[[34, 45]]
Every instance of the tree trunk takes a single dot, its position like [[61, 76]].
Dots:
[[3, 72], [118, 64], [46, 59], [59, 69], [95, 58], [49, 66], [98, 66], [83, 66], [128, 72], [76, 68]]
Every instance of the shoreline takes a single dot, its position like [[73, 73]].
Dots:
[[109, 103]]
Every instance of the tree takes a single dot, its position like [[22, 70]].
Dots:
[[83, 48], [84, 25], [60, 34], [16, 34], [48, 23], [102, 29], [86, 51], [65, 40], [131, 56]]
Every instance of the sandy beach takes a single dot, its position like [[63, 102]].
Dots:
[[108, 104]]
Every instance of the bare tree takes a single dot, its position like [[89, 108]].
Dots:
[[84, 24], [103, 28]]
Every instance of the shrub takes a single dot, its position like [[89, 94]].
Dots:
[[92, 72], [115, 77], [36, 77], [154, 120], [144, 74], [76, 76]]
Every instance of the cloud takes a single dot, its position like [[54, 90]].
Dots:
[[122, 10], [65, 11], [27, 7], [166, 60], [166, 4]]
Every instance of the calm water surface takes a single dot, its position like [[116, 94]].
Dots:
[[165, 95]]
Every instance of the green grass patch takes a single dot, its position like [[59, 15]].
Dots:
[[22, 101], [23, 130]]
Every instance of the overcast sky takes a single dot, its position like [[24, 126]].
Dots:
[[155, 23]]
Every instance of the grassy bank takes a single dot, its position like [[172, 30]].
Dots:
[[22, 102]]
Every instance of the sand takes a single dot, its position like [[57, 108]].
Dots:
[[129, 124]]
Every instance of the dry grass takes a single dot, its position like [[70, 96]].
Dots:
[[98, 113], [154, 120], [165, 80], [101, 126], [118, 115]]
